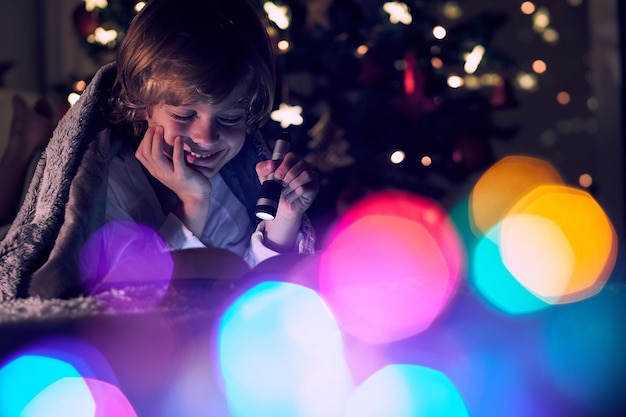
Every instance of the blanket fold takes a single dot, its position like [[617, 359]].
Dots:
[[63, 203]]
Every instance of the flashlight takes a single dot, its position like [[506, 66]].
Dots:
[[267, 204]]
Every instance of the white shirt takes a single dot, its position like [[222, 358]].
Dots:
[[132, 198]]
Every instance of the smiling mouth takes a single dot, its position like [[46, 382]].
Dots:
[[202, 156], [194, 157]]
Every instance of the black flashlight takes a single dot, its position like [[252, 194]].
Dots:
[[267, 204]]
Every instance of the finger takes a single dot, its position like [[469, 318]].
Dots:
[[178, 154], [264, 169], [299, 169], [306, 178], [304, 194], [144, 146], [288, 162], [304, 187], [157, 143]]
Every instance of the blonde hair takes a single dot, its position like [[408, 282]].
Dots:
[[186, 51]]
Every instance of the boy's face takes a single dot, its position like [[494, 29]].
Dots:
[[213, 134]]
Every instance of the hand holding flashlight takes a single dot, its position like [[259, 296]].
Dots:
[[267, 204]]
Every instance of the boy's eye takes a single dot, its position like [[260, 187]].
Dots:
[[183, 117], [230, 120]]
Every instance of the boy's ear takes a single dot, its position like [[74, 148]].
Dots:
[[251, 128], [143, 114]]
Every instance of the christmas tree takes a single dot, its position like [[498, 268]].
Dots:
[[375, 94]]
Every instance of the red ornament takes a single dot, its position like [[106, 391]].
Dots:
[[413, 102], [410, 76], [86, 23]]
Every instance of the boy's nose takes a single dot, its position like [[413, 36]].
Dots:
[[204, 132]]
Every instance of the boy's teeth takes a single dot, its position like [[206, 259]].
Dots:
[[197, 155]]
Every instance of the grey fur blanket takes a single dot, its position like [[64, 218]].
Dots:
[[65, 201], [63, 205]]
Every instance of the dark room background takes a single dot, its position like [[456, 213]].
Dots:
[[558, 65]]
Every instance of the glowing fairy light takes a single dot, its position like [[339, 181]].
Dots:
[[406, 390], [426, 160], [550, 36], [72, 98], [140, 5], [592, 103], [489, 78], [472, 82], [541, 20], [80, 85], [568, 268], [292, 362], [563, 98], [539, 66], [398, 12], [412, 269], [277, 14], [22, 398], [585, 180], [361, 50], [287, 115], [527, 81], [397, 157], [473, 59], [527, 7], [283, 45], [454, 81], [103, 36], [452, 10], [439, 32], [90, 5]]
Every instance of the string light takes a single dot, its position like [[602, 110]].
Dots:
[[550, 36], [490, 79], [140, 5], [455, 81], [472, 82], [539, 66], [397, 157], [527, 7], [288, 115], [72, 98], [80, 85], [439, 32], [277, 14], [451, 10], [91, 5], [541, 20], [283, 45], [527, 81], [585, 180], [473, 59], [563, 97], [103, 37], [592, 103], [398, 12]]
